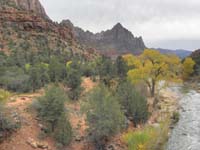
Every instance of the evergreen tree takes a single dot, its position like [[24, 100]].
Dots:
[[133, 103], [35, 81], [51, 110], [63, 132], [104, 115], [52, 107], [106, 70], [57, 70], [121, 67], [73, 81]]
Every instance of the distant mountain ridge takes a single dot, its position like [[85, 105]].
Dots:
[[113, 42], [179, 52]]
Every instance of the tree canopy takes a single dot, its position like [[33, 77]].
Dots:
[[188, 67], [151, 67]]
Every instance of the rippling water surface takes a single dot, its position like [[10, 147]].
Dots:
[[186, 134]]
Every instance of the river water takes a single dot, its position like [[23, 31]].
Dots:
[[186, 134]]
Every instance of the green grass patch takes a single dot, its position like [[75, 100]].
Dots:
[[4, 95], [148, 138]]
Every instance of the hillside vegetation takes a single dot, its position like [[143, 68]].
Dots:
[[57, 92]]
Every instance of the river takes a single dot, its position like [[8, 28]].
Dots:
[[186, 134]]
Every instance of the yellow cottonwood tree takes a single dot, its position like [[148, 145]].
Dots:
[[152, 67], [188, 67]]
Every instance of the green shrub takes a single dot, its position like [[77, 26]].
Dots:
[[175, 117], [51, 106], [106, 70], [104, 115], [138, 140], [149, 138], [121, 67], [4, 95], [51, 110], [63, 131], [57, 70], [15, 79], [133, 103], [73, 81], [7, 124], [38, 76]]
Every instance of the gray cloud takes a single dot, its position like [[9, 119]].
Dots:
[[155, 20]]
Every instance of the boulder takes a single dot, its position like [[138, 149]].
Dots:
[[42, 145], [79, 138], [37, 144], [32, 143]]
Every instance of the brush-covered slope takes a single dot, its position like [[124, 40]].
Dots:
[[24, 25]]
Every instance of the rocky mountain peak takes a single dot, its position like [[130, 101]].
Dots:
[[113, 42], [118, 26], [67, 23], [120, 33]]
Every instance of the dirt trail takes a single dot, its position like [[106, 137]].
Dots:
[[29, 128], [77, 119], [88, 84]]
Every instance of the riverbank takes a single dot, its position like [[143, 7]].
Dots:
[[163, 115], [185, 135], [195, 85], [167, 105]]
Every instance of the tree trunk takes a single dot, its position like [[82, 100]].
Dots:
[[153, 88]]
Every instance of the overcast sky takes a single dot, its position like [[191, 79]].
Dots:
[[172, 24]]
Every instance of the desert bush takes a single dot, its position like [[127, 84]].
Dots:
[[57, 70], [63, 132], [7, 125], [51, 106], [137, 140], [73, 81], [104, 115], [4, 95], [133, 103], [175, 117], [15, 79], [38, 76], [51, 110], [106, 70]]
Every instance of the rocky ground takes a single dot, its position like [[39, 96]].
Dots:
[[168, 103]]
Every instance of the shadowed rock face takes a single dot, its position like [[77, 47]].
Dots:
[[112, 42]]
